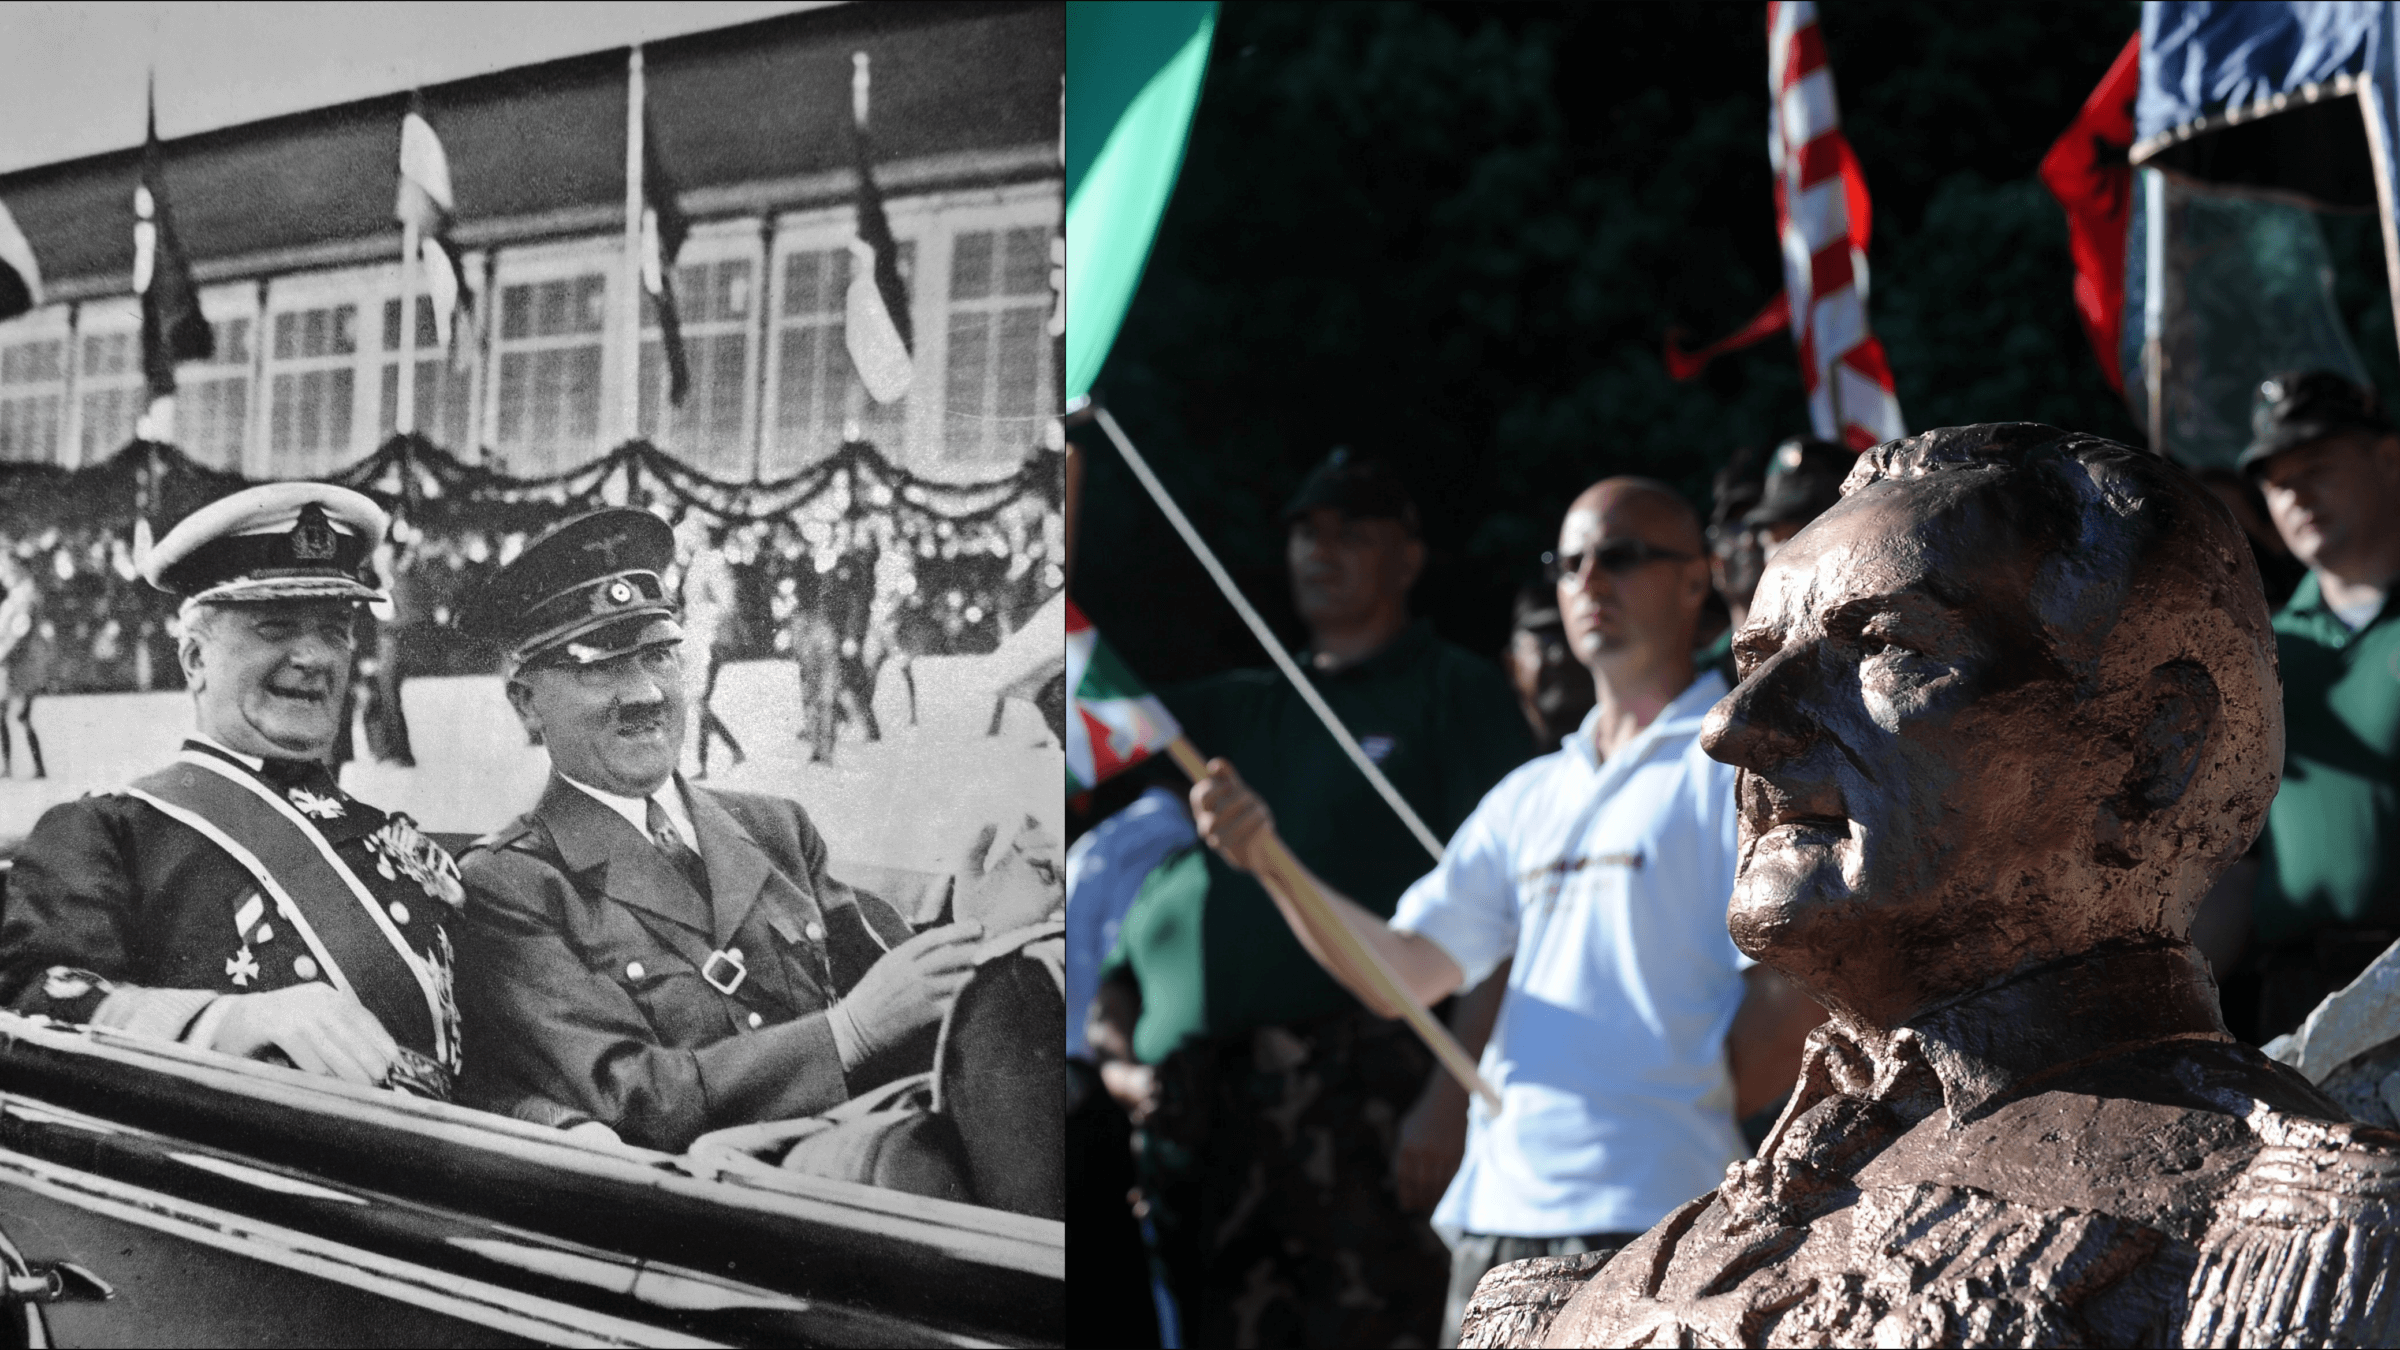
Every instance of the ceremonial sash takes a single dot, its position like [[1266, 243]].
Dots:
[[326, 904]]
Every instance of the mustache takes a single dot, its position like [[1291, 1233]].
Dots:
[[1767, 804], [640, 716]]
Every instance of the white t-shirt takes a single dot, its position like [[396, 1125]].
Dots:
[[1608, 884]]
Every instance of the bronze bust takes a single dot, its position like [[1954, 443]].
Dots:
[[2005, 712]]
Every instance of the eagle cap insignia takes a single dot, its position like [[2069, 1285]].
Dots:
[[312, 538], [616, 594]]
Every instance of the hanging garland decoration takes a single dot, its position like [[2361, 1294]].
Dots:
[[935, 567]]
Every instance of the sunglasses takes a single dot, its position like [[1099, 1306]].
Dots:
[[1616, 559]]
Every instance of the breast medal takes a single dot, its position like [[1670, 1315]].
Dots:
[[401, 851]]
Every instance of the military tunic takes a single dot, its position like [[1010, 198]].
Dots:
[[591, 965], [2134, 1177], [111, 895]]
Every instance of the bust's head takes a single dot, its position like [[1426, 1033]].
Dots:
[[2011, 700]]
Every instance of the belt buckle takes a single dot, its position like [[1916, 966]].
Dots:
[[724, 984]]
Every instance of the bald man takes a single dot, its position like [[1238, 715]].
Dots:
[[1632, 1035]]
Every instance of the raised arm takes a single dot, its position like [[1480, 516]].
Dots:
[[1236, 823]]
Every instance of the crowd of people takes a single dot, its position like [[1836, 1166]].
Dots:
[[843, 571], [1281, 1163]]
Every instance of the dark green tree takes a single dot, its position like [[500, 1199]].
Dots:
[[1455, 236]]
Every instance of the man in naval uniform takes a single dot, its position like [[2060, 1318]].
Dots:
[[649, 957], [237, 899], [2006, 711]]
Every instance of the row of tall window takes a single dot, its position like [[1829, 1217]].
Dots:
[[532, 389]]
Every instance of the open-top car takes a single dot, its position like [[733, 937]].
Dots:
[[154, 1194]]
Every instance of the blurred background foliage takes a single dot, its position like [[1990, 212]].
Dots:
[[1455, 236]]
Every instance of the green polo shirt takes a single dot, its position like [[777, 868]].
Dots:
[[1212, 954], [2333, 834]]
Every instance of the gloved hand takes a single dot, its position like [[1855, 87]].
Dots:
[[912, 985], [1011, 874]]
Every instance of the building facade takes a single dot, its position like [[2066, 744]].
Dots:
[[289, 225]]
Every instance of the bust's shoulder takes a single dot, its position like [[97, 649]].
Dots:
[[2159, 1136], [2302, 1242]]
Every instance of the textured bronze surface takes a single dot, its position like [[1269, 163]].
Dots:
[[2005, 713]]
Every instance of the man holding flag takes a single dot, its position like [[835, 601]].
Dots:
[[1267, 1094], [1629, 1039]]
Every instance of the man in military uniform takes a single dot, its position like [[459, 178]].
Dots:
[[238, 899], [649, 957], [2006, 712]]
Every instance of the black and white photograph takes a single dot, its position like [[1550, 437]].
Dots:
[[533, 692]]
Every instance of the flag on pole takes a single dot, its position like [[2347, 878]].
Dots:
[[20, 275], [875, 323], [1133, 81], [425, 201], [2088, 172], [1823, 215], [663, 231], [173, 328], [1772, 318], [1113, 723]]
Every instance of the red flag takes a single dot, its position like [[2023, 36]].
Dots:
[[2087, 171], [1683, 365]]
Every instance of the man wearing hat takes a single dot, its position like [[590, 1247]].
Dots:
[[1753, 519], [657, 958], [2324, 455], [1268, 1094], [238, 899]]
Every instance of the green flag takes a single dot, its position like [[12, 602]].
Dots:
[[1133, 76], [1113, 722]]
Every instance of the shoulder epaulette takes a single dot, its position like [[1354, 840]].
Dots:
[[524, 834], [2294, 1255]]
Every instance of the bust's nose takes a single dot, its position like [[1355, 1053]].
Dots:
[[1766, 721]]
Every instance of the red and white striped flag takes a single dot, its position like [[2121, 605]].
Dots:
[[1822, 212]]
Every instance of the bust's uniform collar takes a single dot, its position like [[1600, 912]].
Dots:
[[1990, 1047]]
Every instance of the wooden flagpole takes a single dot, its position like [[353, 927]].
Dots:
[[1335, 936], [1265, 635]]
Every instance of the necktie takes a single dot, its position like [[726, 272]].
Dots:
[[685, 860]]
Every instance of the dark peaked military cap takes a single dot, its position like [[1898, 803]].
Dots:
[[1356, 486], [2295, 407], [592, 589], [1804, 480], [277, 541]]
